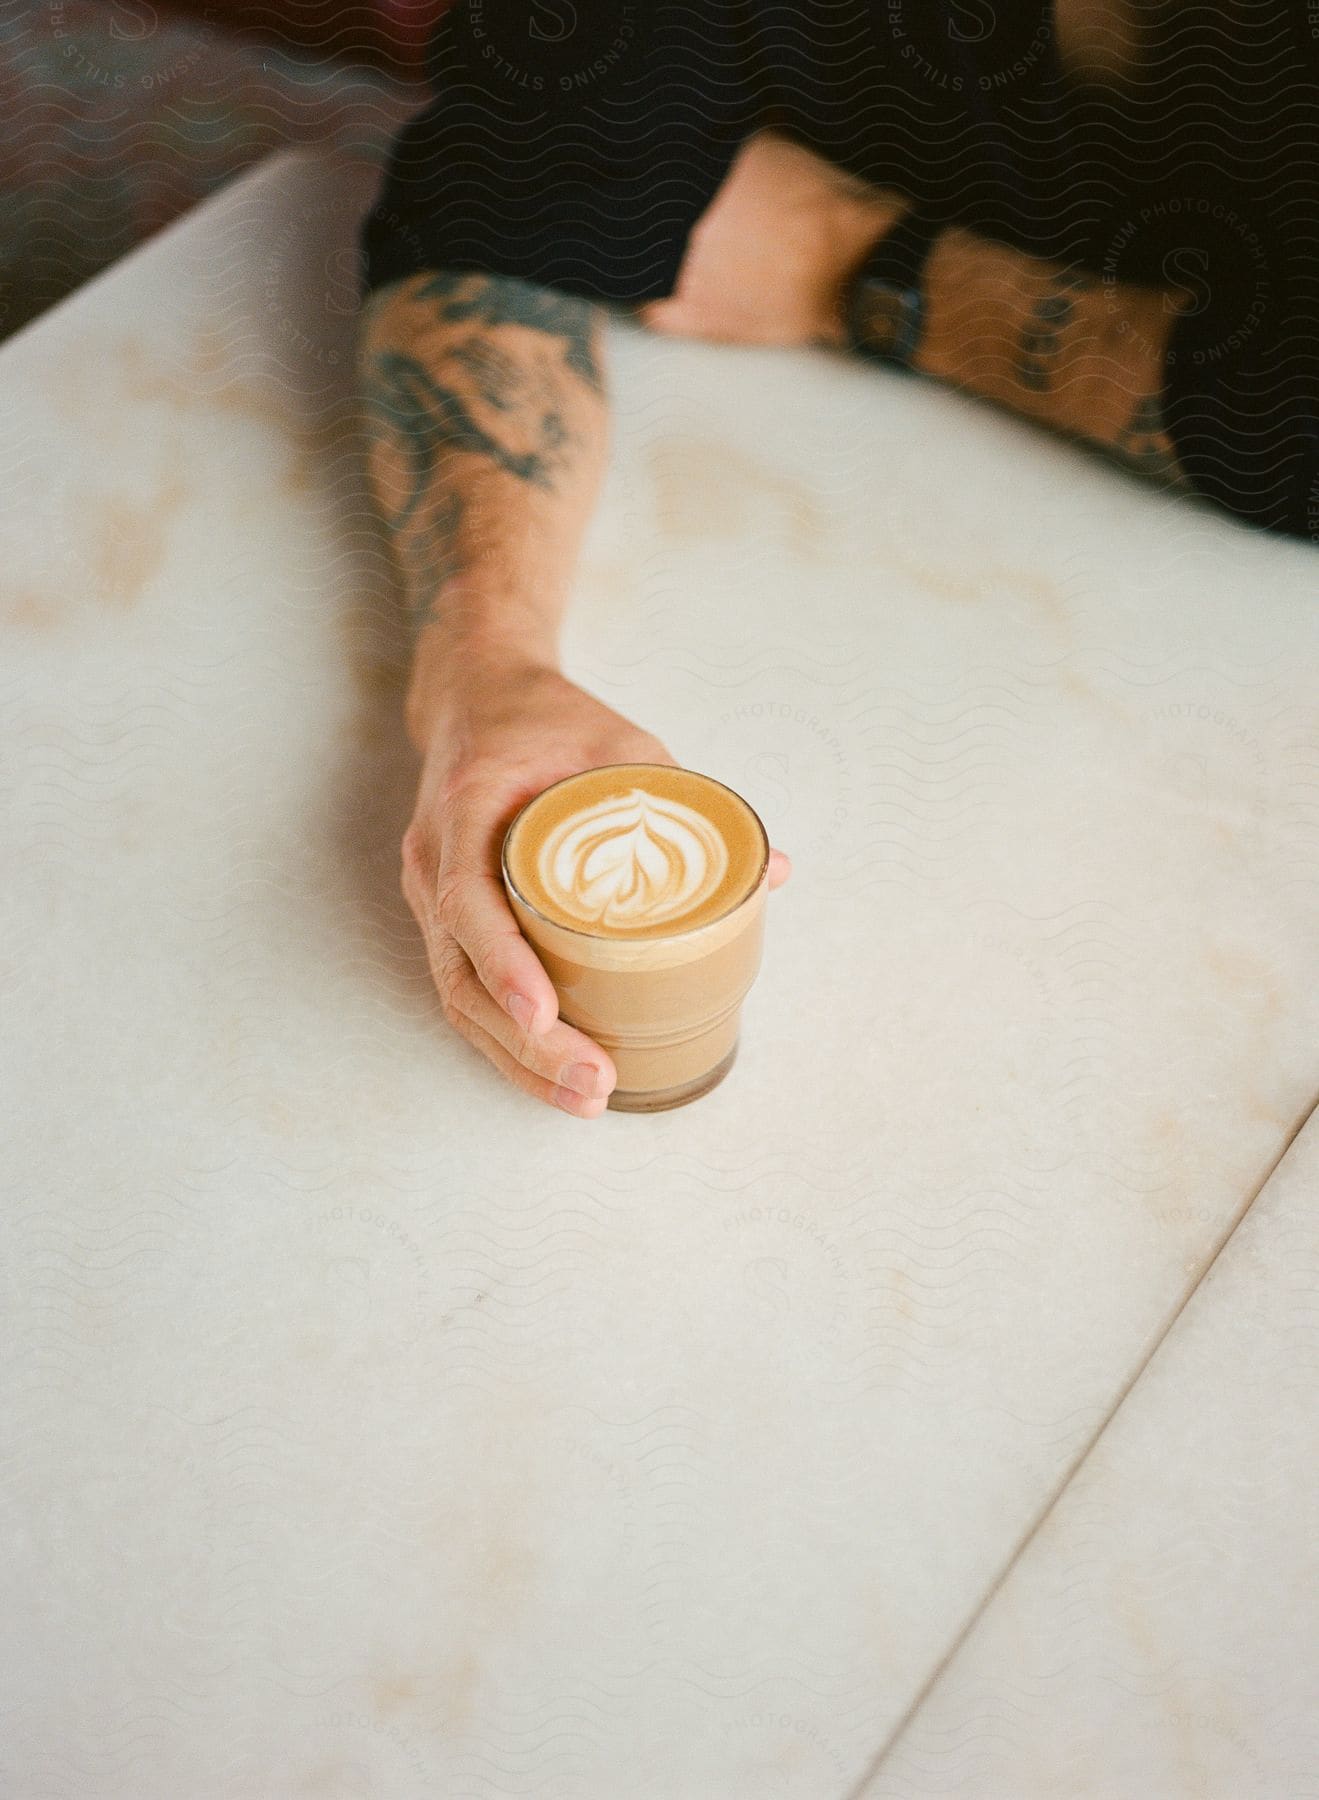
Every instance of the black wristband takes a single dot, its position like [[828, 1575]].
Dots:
[[885, 306]]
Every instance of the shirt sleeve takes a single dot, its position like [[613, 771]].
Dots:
[[578, 157]]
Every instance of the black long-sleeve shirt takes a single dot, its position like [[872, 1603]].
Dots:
[[577, 144]]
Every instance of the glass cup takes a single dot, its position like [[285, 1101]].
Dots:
[[665, 1005]]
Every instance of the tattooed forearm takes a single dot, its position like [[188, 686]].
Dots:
[[1143, 443], [428, 417], [428, 554], [1041, 336], [483, 402], [1052, 343], [461, 298]]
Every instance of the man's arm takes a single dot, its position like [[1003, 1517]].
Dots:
[[486, 411], [485, 402], [571, 168], [485, 406], [772, 259], [1056, 344]]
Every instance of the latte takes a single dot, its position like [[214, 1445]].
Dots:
[[636, 850], [641, 888]]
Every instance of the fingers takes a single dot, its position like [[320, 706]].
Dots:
[[780, 867], [468, 901], [562, 1056], [528, 1042], [471, 906], [538, 1086], [563, 1068], [720, 323]]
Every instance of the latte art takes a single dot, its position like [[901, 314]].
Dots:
[[641, 887], [632, 859], [633, 852]]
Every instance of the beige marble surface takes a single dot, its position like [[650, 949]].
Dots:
[[381, 1433], [1158, 1635]]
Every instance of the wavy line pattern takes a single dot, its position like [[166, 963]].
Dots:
[[119, 118], [1156, 1631], [420, 1448]]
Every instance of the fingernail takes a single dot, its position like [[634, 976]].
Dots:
[[582, 1078], [577, 1105], [522, 1009]]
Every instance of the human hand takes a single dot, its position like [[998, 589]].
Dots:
[[501, 731], [770, 258]]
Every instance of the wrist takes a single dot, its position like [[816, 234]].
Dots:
[[1045, 340], [886, 313], [863, 221], [469, 654], [972, 297], [993, 313]]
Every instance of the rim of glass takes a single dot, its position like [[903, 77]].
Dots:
[[631, 938]]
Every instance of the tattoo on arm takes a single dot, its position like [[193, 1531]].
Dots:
[[486, 392], [429, 554], [1037, 348], [1143, 442], [429, 417], [504, 300]]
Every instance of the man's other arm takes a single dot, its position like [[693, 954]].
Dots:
[[773, 257], [1052, 343]]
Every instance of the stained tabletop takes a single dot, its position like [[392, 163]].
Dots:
[[373, 1430]]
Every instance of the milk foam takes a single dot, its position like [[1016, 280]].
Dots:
[[632, 859]]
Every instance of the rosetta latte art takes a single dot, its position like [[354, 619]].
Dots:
[[633, 859]]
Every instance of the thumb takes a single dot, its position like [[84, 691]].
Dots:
[[671, 316]]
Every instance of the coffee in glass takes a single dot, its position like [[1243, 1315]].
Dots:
[[642, 888]]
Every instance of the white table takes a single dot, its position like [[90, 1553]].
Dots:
[[1158, 1634], [377, 1432]]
